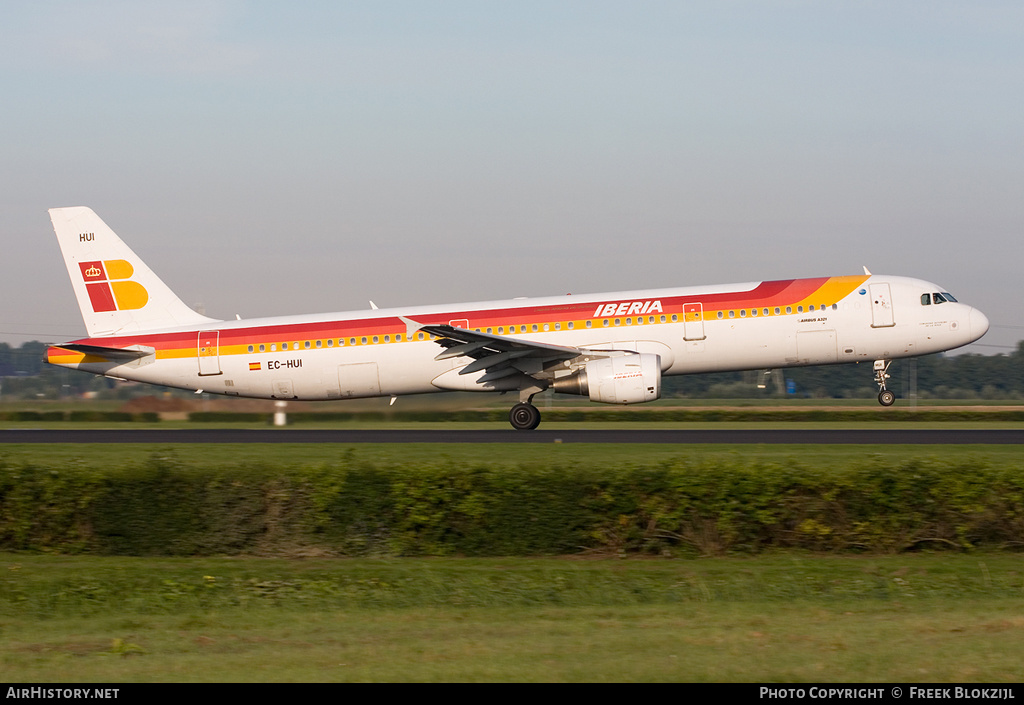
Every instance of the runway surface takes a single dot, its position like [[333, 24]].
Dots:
[[724, 436]]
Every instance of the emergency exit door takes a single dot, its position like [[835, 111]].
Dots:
[[693, 321], [208, 349]]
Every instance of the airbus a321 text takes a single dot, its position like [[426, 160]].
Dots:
[[613, 348]]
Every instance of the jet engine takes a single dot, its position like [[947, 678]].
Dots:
[[621, 379]]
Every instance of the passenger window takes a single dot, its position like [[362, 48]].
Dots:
[[250, 349]]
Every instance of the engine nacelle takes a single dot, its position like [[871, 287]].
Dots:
[[622, 379]]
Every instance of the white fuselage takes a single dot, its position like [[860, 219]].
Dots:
[[380, 352]]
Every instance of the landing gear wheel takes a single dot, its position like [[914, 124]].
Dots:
[[524, 417], [885, 397]]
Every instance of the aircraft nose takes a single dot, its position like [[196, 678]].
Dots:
[[978, 323]]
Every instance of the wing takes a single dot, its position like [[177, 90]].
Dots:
[[501, 356]]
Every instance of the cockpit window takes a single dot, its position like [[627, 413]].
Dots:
[[948, 296], [938, 298], [926, 299]]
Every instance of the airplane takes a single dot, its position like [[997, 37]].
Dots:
[[613, 348]]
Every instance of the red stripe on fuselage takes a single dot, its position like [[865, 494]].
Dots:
[[773, 293]]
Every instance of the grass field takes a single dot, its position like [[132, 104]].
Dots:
[[797, 617], [917, 618]]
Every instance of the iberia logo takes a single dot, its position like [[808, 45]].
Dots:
[[109, 286]]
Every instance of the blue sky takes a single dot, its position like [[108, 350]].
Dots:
[[265, 159]]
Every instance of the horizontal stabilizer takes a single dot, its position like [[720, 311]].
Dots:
[[132, 353]]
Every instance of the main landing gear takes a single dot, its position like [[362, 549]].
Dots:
[[524, 416], [885, 397]]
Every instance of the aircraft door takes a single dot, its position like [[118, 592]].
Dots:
[[817, 347], [881, 306], [693, 321], [282, 389], [208, 350], [360, 379]]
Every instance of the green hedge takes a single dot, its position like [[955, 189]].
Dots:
[[692, 507], [80, 415], [32, 416]]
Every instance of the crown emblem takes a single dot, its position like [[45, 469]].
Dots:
[[93, 272]]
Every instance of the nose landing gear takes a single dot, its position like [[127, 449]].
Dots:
[[885, 397]]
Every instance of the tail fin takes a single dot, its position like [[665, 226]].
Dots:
[[116, 291]]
